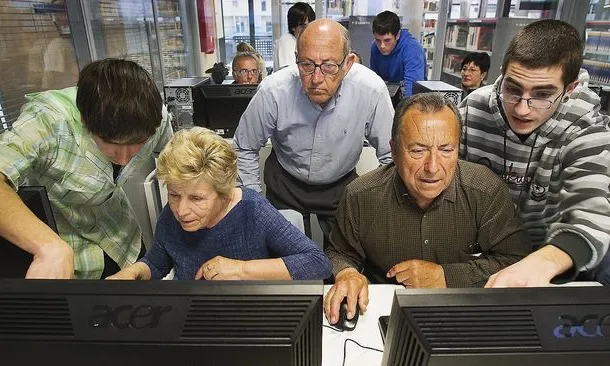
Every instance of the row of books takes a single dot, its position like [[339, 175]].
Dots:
[[474, 38], [597, 41], [453, 62], [599, 71], [430, 23], [431, 5]]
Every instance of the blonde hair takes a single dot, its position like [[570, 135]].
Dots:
[[199, 153]]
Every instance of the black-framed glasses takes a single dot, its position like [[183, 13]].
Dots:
[[470, 69], [512, 96], [326, 68], [244, 72]]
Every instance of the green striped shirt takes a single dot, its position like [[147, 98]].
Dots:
[[48, 145]]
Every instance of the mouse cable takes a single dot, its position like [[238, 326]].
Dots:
[[333, 328], [359, 345]]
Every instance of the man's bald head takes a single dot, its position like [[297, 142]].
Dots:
[[327, 29]]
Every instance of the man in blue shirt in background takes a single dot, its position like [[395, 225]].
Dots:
[[395, 54]]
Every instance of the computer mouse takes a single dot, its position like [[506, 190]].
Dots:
[[344, 323]]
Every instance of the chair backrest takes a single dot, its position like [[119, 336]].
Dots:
[[295, 218], [156, 197]]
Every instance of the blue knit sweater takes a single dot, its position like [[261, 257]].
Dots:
[[253, 229], [406, 62]]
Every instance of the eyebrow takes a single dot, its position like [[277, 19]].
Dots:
[[538, 87]]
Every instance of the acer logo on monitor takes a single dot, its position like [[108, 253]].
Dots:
[[127, 316], [592, 325], [244, 91]]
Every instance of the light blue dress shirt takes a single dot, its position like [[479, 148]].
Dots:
[[315, 145]]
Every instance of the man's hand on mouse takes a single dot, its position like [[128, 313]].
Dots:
[[418, 273], [351, 283]]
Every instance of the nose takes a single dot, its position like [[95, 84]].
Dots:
[[123, 156], [182, 208], [522, 107], [432, 163], [317, 76]]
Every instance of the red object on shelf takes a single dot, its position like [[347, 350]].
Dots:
[[205, 19]]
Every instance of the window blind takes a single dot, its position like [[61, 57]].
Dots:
[[36, 53]]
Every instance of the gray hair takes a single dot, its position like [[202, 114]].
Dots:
[[426, 103]]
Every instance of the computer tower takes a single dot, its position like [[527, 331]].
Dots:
[[180, 98], [449, 92]]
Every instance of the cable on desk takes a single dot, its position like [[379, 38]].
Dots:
[[359, 345], [333, 328], [351, 340]]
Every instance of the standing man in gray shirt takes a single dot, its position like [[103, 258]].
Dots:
[[318, 114]]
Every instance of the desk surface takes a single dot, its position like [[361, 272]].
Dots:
[[367, 330], [366, 333]]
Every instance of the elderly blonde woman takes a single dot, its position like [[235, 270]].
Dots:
[[212, 230]]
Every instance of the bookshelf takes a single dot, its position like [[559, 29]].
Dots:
[[462, 37], [597, 51], [486, 26], [428, 33]]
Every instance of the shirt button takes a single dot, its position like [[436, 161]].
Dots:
[[426, 241]]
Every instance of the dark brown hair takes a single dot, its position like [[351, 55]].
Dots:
[[547, 43], [118, 101]]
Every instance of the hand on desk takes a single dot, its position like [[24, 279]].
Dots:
[[221, 268], [535, 270], [351, 283], [418, 273]]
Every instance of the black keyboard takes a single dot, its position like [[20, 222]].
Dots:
[[383, 326]]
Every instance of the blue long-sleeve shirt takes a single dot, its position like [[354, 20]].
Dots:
[[314, 144], [406, 62], [253, 229]]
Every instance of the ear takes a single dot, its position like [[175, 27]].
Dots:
[[349, 61], [569, 89], [571, 86], [483, 75], [398, 35]]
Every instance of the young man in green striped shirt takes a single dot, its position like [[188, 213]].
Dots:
[[82, 144]]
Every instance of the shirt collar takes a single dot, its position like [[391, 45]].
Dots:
[[449, 194]]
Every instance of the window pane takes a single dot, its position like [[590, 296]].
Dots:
[[36, 53]]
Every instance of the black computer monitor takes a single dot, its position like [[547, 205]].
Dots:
[[559, 326], [14, 262], [127, 323], [222, 106]]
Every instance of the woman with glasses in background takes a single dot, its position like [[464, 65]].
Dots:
[[474, 71], [246, 68]]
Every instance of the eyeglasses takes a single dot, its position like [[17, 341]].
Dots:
[[512, 95], [326, 68], [245, 72], [470, 69]]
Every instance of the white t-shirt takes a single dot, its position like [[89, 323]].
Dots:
[[283, 51]]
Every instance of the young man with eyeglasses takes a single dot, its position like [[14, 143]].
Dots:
[[539, 127], [317, 114], [245, 68]]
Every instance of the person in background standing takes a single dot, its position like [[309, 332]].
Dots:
[[396, 56], [299, 15]]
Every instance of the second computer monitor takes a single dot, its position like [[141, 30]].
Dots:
[[14, 261], [222, 106], [559, 326]]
